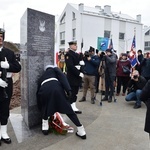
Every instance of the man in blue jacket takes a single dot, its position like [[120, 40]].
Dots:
[[92, 62]]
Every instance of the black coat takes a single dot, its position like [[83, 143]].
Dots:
[[14, 67], [72, 59], [51, 96], [145, 97]]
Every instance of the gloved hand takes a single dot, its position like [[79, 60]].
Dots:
[[81, 75], [3, 83], [82, 63], [78, 67], [69, 94], [5, 64]]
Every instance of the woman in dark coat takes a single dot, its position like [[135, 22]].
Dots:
[[145, 97], [52, 96]]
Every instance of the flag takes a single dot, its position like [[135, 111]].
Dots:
[[102, 43], [111, 44], [132, 54]]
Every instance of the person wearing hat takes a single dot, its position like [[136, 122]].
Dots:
[[135, 86], [110, 59], [74, 73], [123, 77], [8, 65], [53, 94]]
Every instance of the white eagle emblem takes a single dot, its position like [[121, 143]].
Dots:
[[42, 25]]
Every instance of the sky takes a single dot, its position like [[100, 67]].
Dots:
[[11, 11]]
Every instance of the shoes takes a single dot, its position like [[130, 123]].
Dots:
[[110, 100], [75, 109], [92, 100], [7, 141], [123, 94], [81, 132], [137, 106], [78, 112], [45, 127], [82, 99], [105, 99], [117, 94]]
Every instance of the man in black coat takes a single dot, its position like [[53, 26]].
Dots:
[[74, 73], [53, 89], [8, 65], [135, 86], [145, 97]]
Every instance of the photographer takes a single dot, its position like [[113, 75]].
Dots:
[[90, 71], [135, 86], [109, 66]]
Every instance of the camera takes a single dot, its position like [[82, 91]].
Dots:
[[135, 76], [86, 54]]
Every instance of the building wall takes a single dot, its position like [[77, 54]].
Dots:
[[89, 27]]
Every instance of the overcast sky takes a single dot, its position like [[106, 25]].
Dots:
[[12, 10]]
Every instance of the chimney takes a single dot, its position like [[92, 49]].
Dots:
[[98, 7], [138, 18], [107, 9], [81, 7]]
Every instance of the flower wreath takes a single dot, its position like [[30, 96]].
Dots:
[[58, 126]]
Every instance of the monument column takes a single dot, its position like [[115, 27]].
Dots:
[[37, 51]]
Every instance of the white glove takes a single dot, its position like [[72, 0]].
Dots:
[[82, 63], [81, 75], [78, 67], [3, 83], [5, 64]]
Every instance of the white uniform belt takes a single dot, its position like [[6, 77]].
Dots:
[[50, 79]]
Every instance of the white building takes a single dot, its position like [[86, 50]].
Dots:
[[82, 23], [146, 39]]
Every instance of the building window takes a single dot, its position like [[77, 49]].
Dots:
[[147, 33], [73, 16], [62, 38], [147, 44], [121, 36], [63, 18], [107, 34], [73, 34]]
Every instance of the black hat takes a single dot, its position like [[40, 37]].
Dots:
[[2, 31], [72, 42], [91, 49], [109, 50], [124, 54]]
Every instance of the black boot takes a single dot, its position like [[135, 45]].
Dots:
[[105, 98], [92, 100], [110, 99], [82, 99]]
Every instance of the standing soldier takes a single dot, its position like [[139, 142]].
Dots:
[[8, 65], [74, 73]]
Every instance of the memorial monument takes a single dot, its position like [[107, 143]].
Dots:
[[37, 51]]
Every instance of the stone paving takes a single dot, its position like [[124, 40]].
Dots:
[[112, 126]]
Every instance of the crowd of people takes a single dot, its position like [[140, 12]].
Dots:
[[105, 72]]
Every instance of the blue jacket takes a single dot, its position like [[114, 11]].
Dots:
[[91, 66]]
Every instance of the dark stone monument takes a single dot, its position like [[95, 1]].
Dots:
[[37, 51]]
